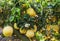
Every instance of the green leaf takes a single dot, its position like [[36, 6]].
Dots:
[[42, 39], [14, 10], [57, 0], [11, 18]]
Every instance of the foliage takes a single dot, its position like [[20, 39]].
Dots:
[[47, 16]]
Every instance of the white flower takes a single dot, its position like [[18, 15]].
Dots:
[[37, 16], [27, 25]]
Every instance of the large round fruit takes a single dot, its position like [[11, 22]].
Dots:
[[31, 12], [30, 34], [8, 31]]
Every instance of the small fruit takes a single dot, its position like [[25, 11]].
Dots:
[[22, 31], [30, 34], [53, 39], [47, 20], [31, 12], [15, 26], [53, 19], [8, 31], [48, 27], [0, 10], [23, 5], [35, 28]]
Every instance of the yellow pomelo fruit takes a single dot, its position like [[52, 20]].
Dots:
[[15, 26], [30, 33], [31, 12], [8, 31], [22, 31]]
